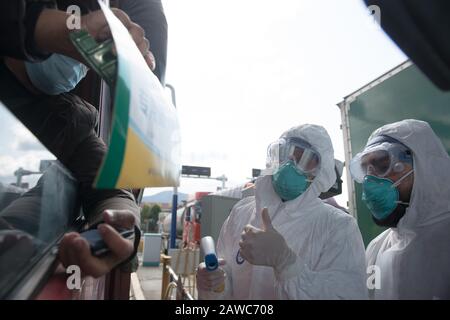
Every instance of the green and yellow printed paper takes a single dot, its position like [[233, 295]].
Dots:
[[144, 149]]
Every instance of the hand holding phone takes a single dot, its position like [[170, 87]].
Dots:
[[112, 236], [97, 245]]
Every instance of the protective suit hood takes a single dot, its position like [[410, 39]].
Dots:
[[319, 139], [430, 197], [414, 258]]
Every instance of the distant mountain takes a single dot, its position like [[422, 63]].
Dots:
[[164, 197]]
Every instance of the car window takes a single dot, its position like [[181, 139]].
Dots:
[[38, 200]]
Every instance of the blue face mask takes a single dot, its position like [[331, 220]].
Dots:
[[57, 74], [381, 195], [288, 182]]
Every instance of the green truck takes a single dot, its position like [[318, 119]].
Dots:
[[402, 93]]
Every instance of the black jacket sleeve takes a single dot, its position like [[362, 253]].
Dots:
[[17, 23]]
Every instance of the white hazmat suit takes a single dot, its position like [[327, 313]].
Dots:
[[414, 257], [330, 262]]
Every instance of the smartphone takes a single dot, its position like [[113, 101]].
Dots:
[[96, 243]]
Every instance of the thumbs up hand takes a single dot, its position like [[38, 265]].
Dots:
[[266, 246]]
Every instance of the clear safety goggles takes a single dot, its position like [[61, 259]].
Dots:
[[380, 160], [305, 158]]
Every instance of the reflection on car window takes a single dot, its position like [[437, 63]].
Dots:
[[37, 200]]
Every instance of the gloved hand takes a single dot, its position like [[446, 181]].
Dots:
[[210, 280], [265, 247]]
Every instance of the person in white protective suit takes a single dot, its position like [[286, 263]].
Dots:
[[405, 172], [297, 247]]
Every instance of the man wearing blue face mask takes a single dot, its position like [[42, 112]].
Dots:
[[55, 75], [405, 172], [285, 242], [385, 170]]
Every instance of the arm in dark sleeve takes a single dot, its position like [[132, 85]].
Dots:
[[17, 23], [149, 14]]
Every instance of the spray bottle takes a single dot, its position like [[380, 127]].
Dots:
[[210, 257]]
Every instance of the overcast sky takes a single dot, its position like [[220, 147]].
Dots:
[[246, 70], [18, 148]]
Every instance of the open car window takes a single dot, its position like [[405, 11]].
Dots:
[[38, 201]]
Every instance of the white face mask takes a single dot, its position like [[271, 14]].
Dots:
[[57, 74]]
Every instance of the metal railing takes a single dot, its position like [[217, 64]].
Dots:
[[170, 281]]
